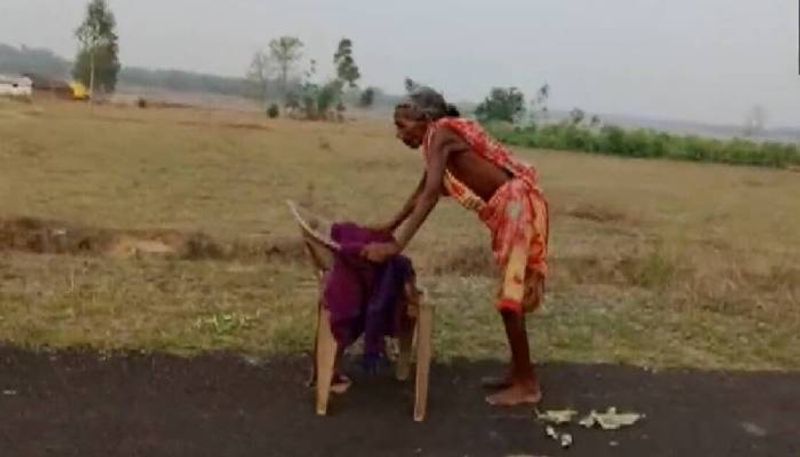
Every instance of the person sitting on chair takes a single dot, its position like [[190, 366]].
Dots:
[[462, 161]]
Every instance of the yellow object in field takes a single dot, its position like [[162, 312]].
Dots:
[[79, 91]]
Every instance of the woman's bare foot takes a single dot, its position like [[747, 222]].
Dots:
[[519, 393], [340, 384]]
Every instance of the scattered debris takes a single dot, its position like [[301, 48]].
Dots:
[[252, 360], [754, 429], [9, 392], [566, 440], [556, 417], [611, 419], [587, 421]]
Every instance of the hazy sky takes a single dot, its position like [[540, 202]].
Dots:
[[706, 60]]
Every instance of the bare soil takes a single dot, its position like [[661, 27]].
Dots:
[[88, 404]]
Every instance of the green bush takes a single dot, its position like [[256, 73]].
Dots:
[[644, 143], [273, 111]]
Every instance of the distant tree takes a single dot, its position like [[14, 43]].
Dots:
[[755, 120], [258, 74], [329, 96], [301, 97], [285, 50], [346, 68], [106, 69], [538, 106], [367, 98], [311, 71], [502, 105], [340, 109], [317, 102], [97, 61], [576, 116], [308, 100], [595, 121], [293, 101], [543, 94]]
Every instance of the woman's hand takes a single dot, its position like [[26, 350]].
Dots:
[[380, 252]]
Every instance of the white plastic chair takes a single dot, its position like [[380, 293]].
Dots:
[[321, 249]]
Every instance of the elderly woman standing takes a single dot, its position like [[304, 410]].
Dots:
[[463, 162]]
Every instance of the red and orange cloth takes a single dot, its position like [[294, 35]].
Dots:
[[517, 216]]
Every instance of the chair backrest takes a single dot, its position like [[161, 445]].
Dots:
[[316, 236]]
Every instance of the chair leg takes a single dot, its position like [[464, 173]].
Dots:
[[326, 358], [424, 348], [403, 368]]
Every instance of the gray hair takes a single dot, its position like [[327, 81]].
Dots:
[[425, 102]]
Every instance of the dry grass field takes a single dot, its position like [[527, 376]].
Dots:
[[166, 229]]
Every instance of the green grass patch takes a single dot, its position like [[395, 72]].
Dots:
[[656, 263]]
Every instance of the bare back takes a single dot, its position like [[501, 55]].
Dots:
[[477, 173]]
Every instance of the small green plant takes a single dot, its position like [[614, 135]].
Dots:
[[273, 111], [221, 324], [655, 271]]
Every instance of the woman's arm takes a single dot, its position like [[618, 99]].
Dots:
[[427, 198], [429, 195]]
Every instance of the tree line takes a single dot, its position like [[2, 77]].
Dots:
[[506, 115], [97, 66], [280, 83], [46, 63], [274, 76]]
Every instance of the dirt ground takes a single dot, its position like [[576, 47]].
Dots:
[[88, 404]]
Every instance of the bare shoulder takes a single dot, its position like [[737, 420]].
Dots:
[[446, 139]]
